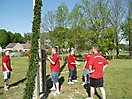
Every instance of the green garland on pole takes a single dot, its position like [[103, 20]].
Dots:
[[34, 54]]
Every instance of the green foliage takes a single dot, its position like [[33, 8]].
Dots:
[[27, 37], [61, 16], [127, 27], [34, 55], [90, 22], [9, 37], [4, 38]]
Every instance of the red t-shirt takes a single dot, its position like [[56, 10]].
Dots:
[[56, 66], [71, 59], [97, 62], [28, 54], [87, 57], [6, 59]]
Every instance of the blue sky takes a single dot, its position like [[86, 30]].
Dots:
[[17, 15]]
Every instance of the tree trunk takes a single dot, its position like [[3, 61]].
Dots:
[[113, 52], [62, 55], [117, 49], [130, 47]]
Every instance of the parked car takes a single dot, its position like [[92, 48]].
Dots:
[[15, 54]]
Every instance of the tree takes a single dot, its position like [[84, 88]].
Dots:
[[61, 20], [77, 36], [34, 55], [4, 38], [17, 38], [12, 37], [117, 8], [127, 26], [47, 26], [97, 21], [48, 22], [27, 37]]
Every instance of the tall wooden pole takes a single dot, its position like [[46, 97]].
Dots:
[[37, 85]]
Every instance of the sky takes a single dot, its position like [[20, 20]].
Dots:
[[17, 15]]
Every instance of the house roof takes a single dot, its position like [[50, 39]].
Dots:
[[11, 45], [26, 46]]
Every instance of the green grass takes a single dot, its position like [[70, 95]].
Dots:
[[117, 81]]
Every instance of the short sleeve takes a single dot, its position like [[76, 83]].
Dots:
[[3, 59], [105, 62], [85, 58]]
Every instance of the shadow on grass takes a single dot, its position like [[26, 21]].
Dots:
[[18, 82], [49, 85], [15, 84], [87, 87], [49, 82]]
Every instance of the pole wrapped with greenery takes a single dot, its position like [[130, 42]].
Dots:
[[34, 54]]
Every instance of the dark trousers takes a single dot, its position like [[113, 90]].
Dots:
[[72, 74]]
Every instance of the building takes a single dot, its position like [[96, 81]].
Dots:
[[18, 47]]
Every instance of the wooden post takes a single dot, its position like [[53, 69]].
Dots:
[[44, 87], [40, 68]]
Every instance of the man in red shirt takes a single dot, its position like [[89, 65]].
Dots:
[[85, 68], [55, 68], [72, 67], [97, 65], [6, 69]]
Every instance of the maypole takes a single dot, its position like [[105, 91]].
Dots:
[[32, 83]]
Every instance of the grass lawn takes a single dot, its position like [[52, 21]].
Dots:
[[117, 81]]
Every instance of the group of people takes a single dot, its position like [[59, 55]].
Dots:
[[94, 67]]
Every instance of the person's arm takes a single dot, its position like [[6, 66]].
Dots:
[[75, 63], [90, 69], [84, 64], [52, 62], [105, 64], [6, 67], [105, 67]]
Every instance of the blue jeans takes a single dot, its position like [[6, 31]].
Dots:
[[54, 76], [7, 75], [72, 74], [86, 72]]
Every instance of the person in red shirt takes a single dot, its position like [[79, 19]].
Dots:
[[6, 69], [72, 67], [85, 68], [55, 68], [97, 65], [28, 54]]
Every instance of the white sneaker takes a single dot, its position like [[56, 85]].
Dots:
[[53, 88], [56, 93], [70, 82], [84, 83], [88, 82], [5, 88], [74, 80]]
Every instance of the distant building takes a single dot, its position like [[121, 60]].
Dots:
[[18, 47]]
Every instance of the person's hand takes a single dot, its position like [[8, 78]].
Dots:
[[78, 64], [48, 57], [91, 71], [8, 70]]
